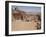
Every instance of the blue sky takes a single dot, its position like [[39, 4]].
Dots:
[[28, 8]]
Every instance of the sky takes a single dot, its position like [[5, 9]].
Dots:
[[28, 8]]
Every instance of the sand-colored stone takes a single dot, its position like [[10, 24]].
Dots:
[[23, 24]]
